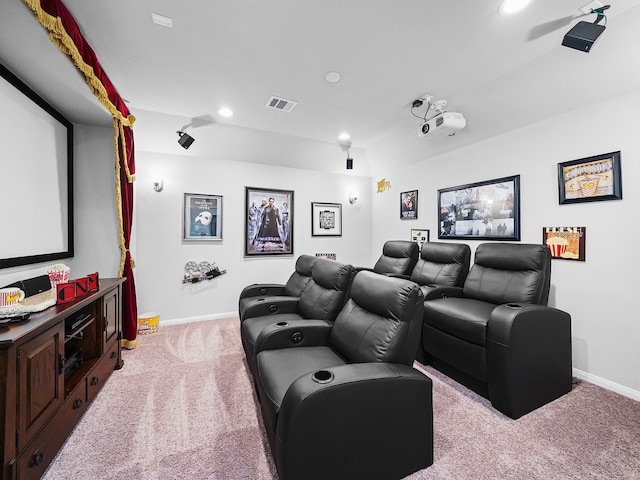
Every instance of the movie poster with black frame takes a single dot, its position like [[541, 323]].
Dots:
[[409, 205], [268, 225]]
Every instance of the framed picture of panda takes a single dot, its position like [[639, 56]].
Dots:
[[201, 218]]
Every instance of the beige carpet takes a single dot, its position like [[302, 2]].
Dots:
[[183, 407]]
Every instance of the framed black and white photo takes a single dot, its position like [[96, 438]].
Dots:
[[409, 205], [268, 225], [590, 179], [201, 217], [326, 219], [488, 210]]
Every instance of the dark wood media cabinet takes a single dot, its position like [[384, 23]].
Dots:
[[52, 366]]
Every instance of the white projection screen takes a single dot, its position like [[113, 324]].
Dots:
[[36, 177]]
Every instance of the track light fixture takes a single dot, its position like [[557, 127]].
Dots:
[[584, 34], [185, 139]]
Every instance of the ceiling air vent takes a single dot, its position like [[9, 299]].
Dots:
[[281, 104]]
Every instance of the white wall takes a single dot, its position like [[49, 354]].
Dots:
[[600, 293], [161, 254], [95, 219]]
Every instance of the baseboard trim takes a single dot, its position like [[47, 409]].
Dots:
[[608, 384], [199, 318]]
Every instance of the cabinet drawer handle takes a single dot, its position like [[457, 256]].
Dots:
[[77, 403], [114, 354], [38, 457], [94, 381]]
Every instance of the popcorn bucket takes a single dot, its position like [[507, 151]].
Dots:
[[557, 245], [148, 323], [588, 186], [58, 274]]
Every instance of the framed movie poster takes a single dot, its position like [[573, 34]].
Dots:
[[268, 224], [488, 210], [590, 179], [326, 219], [409, 205], [566, 243], [202, 217]]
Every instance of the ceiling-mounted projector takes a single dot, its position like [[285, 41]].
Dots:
[[447, 123]]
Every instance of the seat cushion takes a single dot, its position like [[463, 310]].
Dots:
[[276, 370], [463, 318]]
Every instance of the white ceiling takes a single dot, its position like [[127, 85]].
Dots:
[[501, 72]]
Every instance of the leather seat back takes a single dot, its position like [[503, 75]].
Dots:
[[510, 273], [301, 276], [443, 264], [398, 257], [381, 321], [325, 294]]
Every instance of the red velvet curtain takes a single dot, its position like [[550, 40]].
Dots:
[[65, 33]]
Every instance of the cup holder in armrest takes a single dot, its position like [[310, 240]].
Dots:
[[263, 291], [273, 308], [513, 305], [282, 324], [322, 376]]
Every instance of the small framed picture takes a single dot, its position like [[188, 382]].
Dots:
[[420, 236], [590, 179], [326, 219], [565, 243], [202, 217], [409, 205]]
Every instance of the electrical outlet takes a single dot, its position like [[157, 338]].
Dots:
[[586, 9]]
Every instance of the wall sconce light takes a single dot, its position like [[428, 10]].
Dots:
[[353, 197], [158, 185], [185, 139]]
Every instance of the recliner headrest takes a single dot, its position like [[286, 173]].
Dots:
[[505, 256], [304, 264], [439, 252], [332, 275]]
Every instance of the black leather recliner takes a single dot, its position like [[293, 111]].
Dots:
[[321, 299], [254, 294], [398, 257], [340, 400], [497, 336], [441, 265]]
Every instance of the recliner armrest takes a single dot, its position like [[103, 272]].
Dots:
[[270, 306], [528, 357], [297, 333], [262, 290], [432, 292], [363, 420]]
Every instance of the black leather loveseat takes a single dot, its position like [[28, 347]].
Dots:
[[496, 335], [340, 400]]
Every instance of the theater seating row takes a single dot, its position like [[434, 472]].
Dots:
[[331, 351]]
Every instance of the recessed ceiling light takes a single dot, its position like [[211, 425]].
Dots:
[[344, 136], [507, 7], [332, 77], [162, 20], [225, 112]]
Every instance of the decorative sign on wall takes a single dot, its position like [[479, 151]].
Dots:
[[330, 256], [565, 243]]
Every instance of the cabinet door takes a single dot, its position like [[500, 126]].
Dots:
[[111, 315], [40, 382]]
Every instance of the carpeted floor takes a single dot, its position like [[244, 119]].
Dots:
[[183, 407]]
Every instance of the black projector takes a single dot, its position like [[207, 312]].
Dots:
[[583, 36]]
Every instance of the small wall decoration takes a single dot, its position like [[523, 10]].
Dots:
[[268, 222], [197, 272], [590, 179], [488, 210], [329, 256], [383, 185], [409, 205], [565, 243], [420, 236], [326, 219], [202, 217]]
